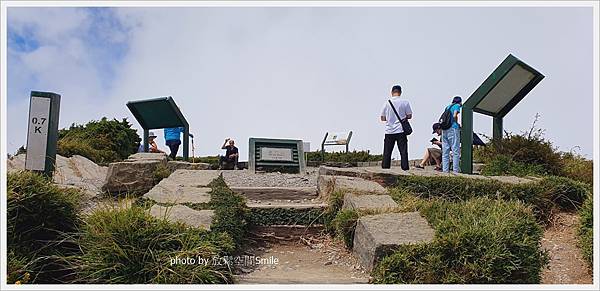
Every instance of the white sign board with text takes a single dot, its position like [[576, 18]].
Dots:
[[37, 133], [276, 154]]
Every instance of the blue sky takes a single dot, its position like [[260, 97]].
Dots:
[[298, 72]]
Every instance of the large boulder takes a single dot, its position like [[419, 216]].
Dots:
[[133, 176]]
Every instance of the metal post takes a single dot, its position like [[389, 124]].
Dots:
[[466, 136], [145, 141], [348, 141], [323, 147], [186, 141], [497, 130]]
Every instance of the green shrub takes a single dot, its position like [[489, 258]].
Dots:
[[480, 241], [335, 203], [102, 141], [38, 211], [577, 168], [160, 173], [286, 216], [39, 215], [529, 153], [504, 165], [585, 230], [565, 193], [128, 246], [530, 148], [230, 211], [343, 157], [344, 224], [542, 195]]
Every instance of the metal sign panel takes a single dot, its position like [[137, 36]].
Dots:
[[275, 154], [37, 133]]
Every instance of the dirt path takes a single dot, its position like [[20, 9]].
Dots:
[[567, 266], [317, 260]]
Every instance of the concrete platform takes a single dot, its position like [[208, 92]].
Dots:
[[379, 235], [389, 177]]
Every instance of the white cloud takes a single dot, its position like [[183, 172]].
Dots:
[[298, 72]]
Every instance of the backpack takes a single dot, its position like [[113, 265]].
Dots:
[[446, 118]]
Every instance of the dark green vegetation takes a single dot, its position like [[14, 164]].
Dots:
[[39, 214], [585, 232], [102, 141], [542, 195], [49, 243], [286, 216], [480, 241], [128, 246], [530, 154], [344, 224], [343, 157]]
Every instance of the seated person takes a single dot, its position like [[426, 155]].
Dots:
[[152, 147], [231, 155], [433, 155]]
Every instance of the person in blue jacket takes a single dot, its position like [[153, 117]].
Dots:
[[172, 139]]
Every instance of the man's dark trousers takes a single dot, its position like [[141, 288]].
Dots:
[[174, 147], [388, 148]]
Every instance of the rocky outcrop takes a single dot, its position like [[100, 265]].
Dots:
[[76, 171]]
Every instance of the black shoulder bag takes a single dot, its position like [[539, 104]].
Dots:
[[404, 122]]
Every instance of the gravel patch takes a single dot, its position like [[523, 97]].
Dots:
[[245, 178]]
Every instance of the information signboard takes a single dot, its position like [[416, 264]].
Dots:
[[42, 132]]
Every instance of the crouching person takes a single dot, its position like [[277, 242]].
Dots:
[[230, 160], [433, 155]]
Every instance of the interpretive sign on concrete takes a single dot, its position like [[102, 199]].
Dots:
[[283, 155]]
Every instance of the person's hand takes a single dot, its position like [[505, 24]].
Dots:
[[227, 139]]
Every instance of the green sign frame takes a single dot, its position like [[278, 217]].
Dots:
[[157, 113], [285, 155], [492, 87]]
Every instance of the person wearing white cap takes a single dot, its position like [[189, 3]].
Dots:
[[152, 146]]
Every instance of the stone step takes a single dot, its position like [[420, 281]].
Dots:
[[379, 235], [192, 178], [294, 204], [180, 213], [285, 233], [369, 202], [183, 186], [277, 193], [162, 193], [327, 184]]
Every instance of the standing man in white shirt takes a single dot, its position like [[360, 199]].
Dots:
[[393, 128]]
